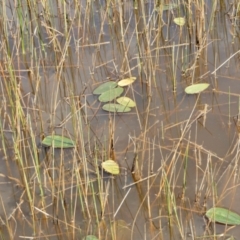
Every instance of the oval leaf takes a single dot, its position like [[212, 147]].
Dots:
[[104, 87], [114, 107], [179, 21], [57, 141], [90, 237], [170, 6], [166, 7], [127, 102], [196, 88], [126, 82], [111, 166], [223, 215], [110, 94]]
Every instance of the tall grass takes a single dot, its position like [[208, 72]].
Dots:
[[53, 53]]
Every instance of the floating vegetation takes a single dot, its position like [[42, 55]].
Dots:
[[167, 7], [126, 81], [111, 166], [170, 6], [104, 87], [110, 94], [196, 88], [90, 237], [110, 90], [57, 141], [57, 58], [179, 21], [223, 215], [126, 101], [114, 107]]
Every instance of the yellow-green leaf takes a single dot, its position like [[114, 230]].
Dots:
[[223, 215], [166, 7], [126, 81], [170, 6], [196, 88], [126, 101], [104, 87], [90, 237], [180, 21], [110, 94], [114, 107], [57, 141], [111, 166]]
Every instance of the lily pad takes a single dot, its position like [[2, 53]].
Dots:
[[114, 107], [179, 21], [104, 87], [126, 81], [166, 7], [223, 215], [110, 94], [57, 141], [111, 166], [127, 102], [170, 6], [90, 237], [196, 88]]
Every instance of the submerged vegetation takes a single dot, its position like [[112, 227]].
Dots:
[[158, 162]]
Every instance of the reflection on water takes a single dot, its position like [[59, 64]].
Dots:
[[186, 156]]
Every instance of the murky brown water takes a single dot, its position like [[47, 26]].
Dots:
[[51, 80]]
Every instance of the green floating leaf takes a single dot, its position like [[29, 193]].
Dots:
[[111, 166], [126, 81], [114, 107], [196, 88], [90, 237], [127, 102], [166, 7], [57, 141], [223, 215], [169, 6], [110, 94], [104, 87], [179, 21]]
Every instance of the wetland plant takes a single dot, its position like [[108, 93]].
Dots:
[[53, 53]]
